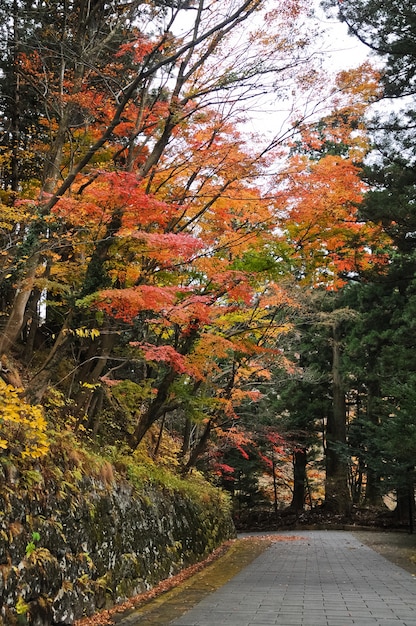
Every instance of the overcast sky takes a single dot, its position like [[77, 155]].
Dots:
[[343, 50]]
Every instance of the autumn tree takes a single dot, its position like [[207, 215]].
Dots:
[[81, 106], [322, 189], [127, 249], [101, 119]]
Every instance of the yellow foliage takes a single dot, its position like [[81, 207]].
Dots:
[[83, 332], [21, 606], [22, 425], [10, 215]]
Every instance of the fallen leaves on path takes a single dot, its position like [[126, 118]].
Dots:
[[272, 538]]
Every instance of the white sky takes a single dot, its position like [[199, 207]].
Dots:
[[344, 51], [340, 51]]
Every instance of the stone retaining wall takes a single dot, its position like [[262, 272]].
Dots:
[[64, 555]]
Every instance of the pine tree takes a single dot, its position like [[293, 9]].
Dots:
[[389, 30]]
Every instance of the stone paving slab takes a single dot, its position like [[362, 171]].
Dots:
[[325, 578]]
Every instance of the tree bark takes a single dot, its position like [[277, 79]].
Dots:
[[186, 440], [337, 495], [372, 491], [405, 509], [38, 385], [15, 111], [17, 314], [299, 480], [91, 375], [156, 409], [199, 448]]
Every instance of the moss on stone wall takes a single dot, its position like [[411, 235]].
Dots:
[[69, 550]]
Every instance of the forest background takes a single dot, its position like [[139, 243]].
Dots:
[[180, 292]]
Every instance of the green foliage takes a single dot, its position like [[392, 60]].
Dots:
[[30, 478], [131, 395], [31, 546]]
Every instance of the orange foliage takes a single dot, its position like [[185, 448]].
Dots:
[[126, 304], [323, 222]]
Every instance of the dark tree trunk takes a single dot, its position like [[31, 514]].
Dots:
[[373, 497], [16, 317], [159, 437], [38, 385], [186, 441], [156, 409], [15, 110], [299, 480], [405, 509], [92, 372], [337, 496], [373, 486], [96, 276]]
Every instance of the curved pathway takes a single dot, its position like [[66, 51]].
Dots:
[[321, 578]]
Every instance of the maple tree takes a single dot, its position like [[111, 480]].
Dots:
[[380, 342], [146, 201], [328, 245], [323, 190], [133, 131], [144, 251]]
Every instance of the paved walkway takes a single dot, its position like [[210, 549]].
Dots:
[[325, 578]]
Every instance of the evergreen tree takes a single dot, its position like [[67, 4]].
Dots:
[[382, 343], [389, 30]]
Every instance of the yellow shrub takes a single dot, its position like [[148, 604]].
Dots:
[[22, 425]]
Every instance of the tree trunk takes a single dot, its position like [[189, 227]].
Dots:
[[17, 314], [159, 437], [32, 324], [373, 497], [275, 502], [96, 276], [337, 496], [186, 441], [38, 385], [199, 448], [52, 170], [15, 110], [405, 509], [155, 410], [91, 373], [299, 480], [373, 486]]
